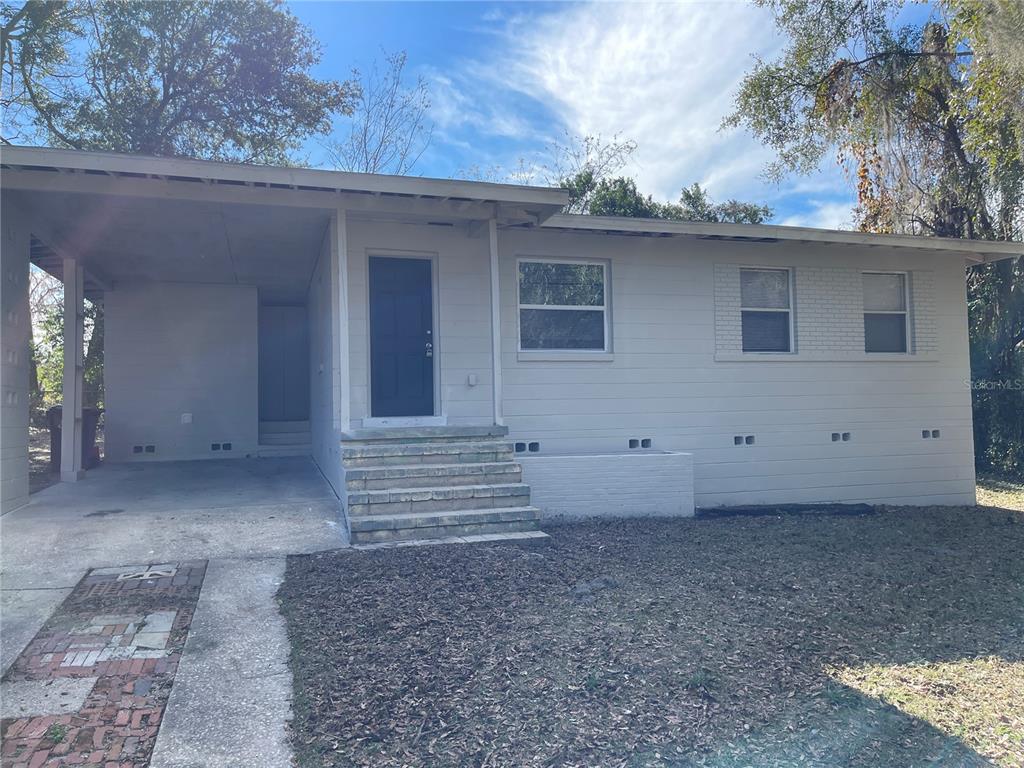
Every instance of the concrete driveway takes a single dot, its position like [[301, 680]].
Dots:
[[243, 516]]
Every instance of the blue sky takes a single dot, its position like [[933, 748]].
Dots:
[[507, 79]]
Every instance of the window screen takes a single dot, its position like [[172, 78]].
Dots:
[[885, 312], [562, 305], [765, 309]]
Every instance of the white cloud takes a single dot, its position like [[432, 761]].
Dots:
[[664, 75], [824, 215]]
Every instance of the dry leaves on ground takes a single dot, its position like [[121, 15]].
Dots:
[[675, 642]]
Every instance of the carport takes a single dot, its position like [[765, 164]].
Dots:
[[186, 270], [155, 512], [187, 369]]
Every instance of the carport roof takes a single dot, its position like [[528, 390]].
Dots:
[[129, 217], [542, 201]]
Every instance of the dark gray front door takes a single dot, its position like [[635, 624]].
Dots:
[[401, 337], [284, 364]]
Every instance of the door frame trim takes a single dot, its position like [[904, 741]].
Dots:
[[432, 257]]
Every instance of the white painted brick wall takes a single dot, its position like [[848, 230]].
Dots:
[[829, 312], [728, 325], [611, 485], [922, 299], [829, 309]]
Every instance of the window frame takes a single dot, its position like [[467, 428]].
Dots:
[[905, 311], [790, 282], [604, 308]]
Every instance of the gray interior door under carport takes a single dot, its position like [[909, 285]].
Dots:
[[284, 363]]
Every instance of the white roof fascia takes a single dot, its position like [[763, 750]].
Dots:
[[980, 250], [303, 178]]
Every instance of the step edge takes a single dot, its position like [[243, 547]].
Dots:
[[442, 488], [473, 538], [360, 472], [364, 523]]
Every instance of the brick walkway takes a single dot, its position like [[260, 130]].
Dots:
[[91, 687]]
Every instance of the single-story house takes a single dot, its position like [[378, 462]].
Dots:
[[457, 355]]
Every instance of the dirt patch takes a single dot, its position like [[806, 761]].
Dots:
[[39, 474], [741, 641]]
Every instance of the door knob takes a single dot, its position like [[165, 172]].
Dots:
[[430, 349]]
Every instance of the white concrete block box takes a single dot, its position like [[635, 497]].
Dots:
[[641, 483]]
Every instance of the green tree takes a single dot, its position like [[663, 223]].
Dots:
[[928, 119], [695, 205], [48, 355], [225, 80], [620, 197], [34, 41]]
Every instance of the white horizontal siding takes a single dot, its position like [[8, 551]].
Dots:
[[463, 333], [664, 382]]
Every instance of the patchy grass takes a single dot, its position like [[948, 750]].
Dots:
[[976, 700], [1003, 492], [888, 639], [56, 733]]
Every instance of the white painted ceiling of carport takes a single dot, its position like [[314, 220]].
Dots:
[[143, 239]]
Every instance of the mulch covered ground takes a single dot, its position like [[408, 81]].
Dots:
[[893, 638]]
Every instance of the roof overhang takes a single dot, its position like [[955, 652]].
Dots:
[[978, 251], [64, 170], [48, 260]]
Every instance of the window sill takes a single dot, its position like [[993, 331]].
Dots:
[[563, 356], [790, 357]]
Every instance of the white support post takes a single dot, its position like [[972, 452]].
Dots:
[[340, 315], [499, 418], [71, 417]]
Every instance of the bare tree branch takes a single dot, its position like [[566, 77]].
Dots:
[[389, 131]]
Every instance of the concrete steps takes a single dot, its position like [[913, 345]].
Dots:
[[434, 483], [426, 475], [510, 537], [392, 501], [370, 454], [284, 438], [274, 451], [435, 525]]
